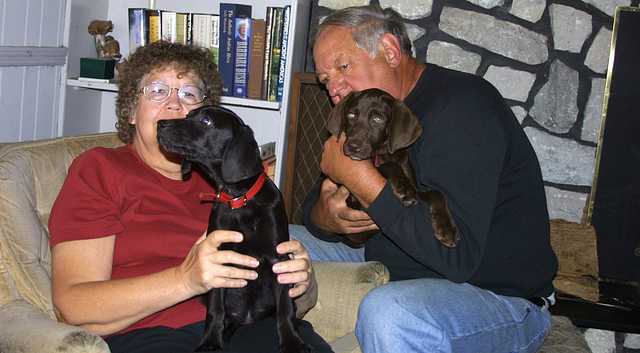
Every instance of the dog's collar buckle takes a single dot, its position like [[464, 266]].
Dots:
[[235, 202]]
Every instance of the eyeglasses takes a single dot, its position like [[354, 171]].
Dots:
[[159, 92]]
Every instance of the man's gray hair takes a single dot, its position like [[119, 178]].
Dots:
[[368, 24]]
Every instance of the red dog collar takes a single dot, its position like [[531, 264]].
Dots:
[[235, 202]]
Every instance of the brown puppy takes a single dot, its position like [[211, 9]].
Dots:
[[379, 127]]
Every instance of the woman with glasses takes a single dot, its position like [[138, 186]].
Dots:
[[129, 252]]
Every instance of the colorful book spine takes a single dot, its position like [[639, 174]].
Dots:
[[215, 38], [228, 14], [264, 94], [138, 28], [201, 30], [276, 47], [256, 59], [204, 32], [155, 32], [183, 33], [241, 67], [168, 25], [283, 52]]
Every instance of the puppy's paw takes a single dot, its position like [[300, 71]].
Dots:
[[208, 348], [296, 348], [210, 345], [409, 201], [444, 229]]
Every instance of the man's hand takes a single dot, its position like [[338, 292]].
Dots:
[[361, 178], [332, 214]]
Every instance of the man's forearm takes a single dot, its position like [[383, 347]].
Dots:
[[365, 184]]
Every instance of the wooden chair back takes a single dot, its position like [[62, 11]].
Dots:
[[310, 107]]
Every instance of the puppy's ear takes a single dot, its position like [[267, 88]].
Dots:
[[185, 168], [241, 158], [405, 128], [334, 123]]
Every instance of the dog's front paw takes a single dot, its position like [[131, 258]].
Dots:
[[210, 345], [298, 347], [443, 228], [409, 201]]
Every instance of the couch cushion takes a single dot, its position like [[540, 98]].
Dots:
[[341, 287], [31, 174]]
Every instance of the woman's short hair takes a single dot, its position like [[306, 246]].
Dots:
[[159, 56], [368, 24]]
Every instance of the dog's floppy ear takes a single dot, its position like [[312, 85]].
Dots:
[[185, 168], [405, 128], [334, 123], [241, 158]]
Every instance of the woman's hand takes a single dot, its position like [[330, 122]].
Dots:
[[297, 270], [206, 267]]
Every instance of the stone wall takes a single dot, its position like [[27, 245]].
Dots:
[[548, 58]]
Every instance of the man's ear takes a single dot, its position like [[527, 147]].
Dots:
[[391, 50], [405, 128]]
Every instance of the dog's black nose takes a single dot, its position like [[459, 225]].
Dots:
[[354, 146]]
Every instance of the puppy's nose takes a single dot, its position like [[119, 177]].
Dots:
[[354, 146]]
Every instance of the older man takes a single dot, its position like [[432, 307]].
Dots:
[[492, 291]]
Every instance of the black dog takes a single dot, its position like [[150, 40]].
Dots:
[[379, 127], [223, 147]]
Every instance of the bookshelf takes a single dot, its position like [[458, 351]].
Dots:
[[90, 106]]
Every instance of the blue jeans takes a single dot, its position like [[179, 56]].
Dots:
[[436, 315]]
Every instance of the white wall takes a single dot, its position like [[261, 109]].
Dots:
[[82, 107], [32, 61]]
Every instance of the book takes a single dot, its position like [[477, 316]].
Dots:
[[201, 30], [168, 25], [241, 66], [155, 32], [264, 91], [138, 28], [182, 28], [256, 58], [283, 52], [276, 46], [215, 38], [226, 62], [204, 32]]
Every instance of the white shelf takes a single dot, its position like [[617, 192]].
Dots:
[[243, 102], [101, 86]]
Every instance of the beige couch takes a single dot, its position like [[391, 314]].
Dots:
[[31, 174]]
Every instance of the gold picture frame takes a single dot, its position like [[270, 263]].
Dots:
[[605, 105]]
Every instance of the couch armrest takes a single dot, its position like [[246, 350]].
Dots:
[[23, 327], [341, 287]]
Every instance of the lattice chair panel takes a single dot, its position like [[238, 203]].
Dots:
[[311, 107]]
